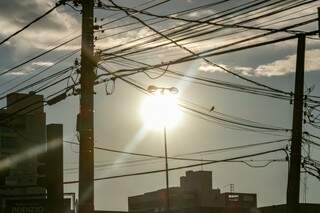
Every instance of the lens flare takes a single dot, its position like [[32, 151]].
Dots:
[[160, 110]]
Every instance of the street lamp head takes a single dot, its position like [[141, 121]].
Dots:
[[153, 89]]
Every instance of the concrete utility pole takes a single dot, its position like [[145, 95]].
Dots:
[[85, 118], [293, 190]]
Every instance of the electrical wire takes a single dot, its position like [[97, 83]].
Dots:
[[200, 22], [194, 54], [181, 167], [39, 55], [32, 22], [216, 118]]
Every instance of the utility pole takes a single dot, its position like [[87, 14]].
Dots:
[[293, 190], [85, 122]]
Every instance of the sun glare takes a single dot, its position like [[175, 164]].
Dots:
[[160, 110]]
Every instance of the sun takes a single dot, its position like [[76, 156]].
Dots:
[[160, 110]]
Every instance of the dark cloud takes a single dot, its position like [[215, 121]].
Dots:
[[19, 13], [16, 14]]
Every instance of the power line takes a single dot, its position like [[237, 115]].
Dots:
[[218, 84], [35, 105], [173, 168], [186, 59], [39, 55], [176, 157], [219, 119], [197, 54], [230, 125], [235, 122], [200, 22], [253, 163], [57, 74], [182, 167], [60, 60], [187, 29], [190, 10], [146, 8], [214, 30], [185, 154]]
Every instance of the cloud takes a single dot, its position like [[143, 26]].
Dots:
[[288, 64], [245, 61], [43, 63], [201, 13], [279, 20], [18, 73], [15, 14], [28, 69], [239, 69], [278, 67], [209, 68], [106, 41], [61, 24]]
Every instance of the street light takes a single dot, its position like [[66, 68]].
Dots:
[[172, 90], [161, 111]]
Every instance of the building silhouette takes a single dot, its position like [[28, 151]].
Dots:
[[24, 137], [195, 192]]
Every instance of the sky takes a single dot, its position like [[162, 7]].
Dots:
[[118, 123]]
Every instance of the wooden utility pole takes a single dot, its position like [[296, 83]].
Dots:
[[85, 121], [293, 190]]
